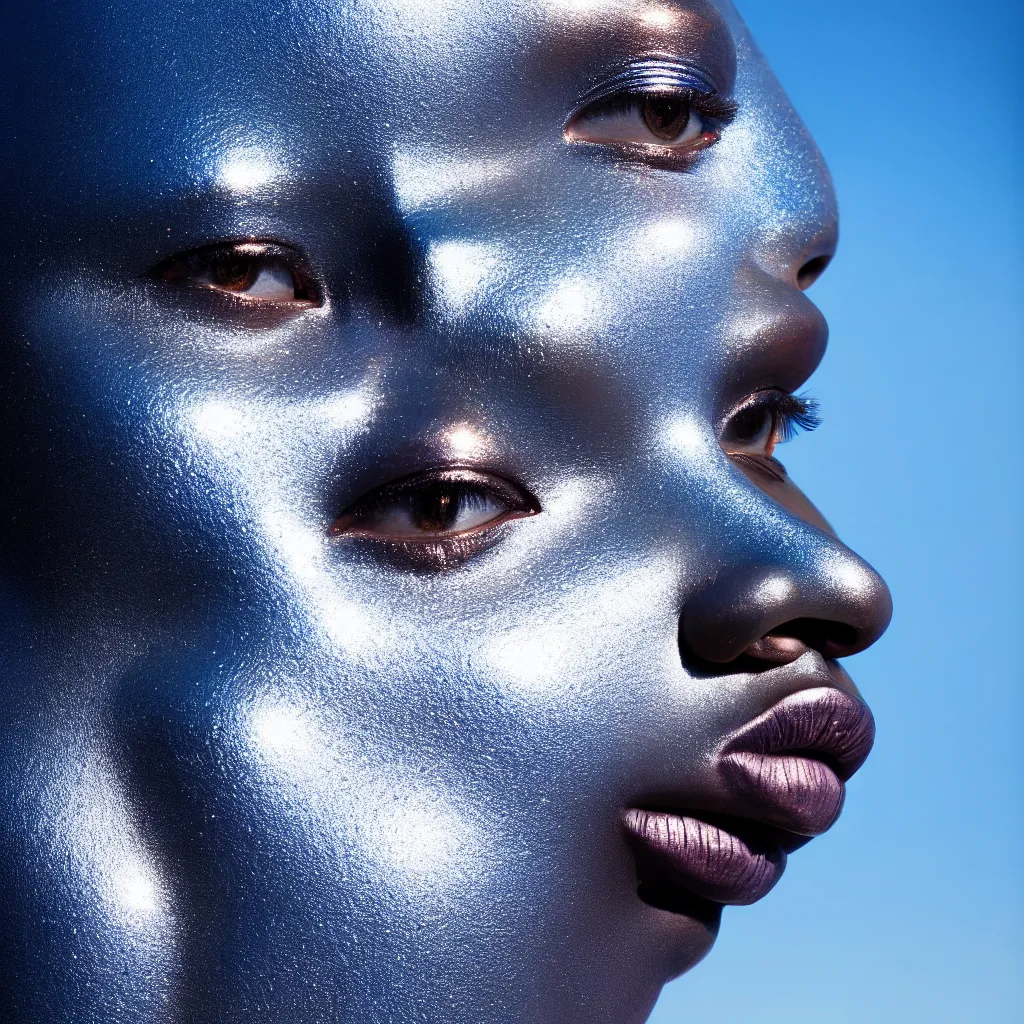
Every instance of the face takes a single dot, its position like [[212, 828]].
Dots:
[[406, 615]]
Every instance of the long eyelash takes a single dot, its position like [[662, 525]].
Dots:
[[795, 413], [709, 105]]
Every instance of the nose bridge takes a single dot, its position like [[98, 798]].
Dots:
[[379, 253], [790, 195], [798, 242]]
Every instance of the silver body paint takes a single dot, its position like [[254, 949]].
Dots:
[[253, 772]]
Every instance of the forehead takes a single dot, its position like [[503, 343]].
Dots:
[[131, 89], [436, 125]]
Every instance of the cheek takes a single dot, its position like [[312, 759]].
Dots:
[[162, 446], [560, 670]]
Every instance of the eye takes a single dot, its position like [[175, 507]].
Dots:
[[766, 419], [250, 271], [438, 506], [680, 120]]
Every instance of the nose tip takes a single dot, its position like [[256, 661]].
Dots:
[[837, 605]]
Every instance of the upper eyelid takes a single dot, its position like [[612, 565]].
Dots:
[[471, 476], [294, 258], [801, 410], [266, 246], [652, 74], [763, 396]]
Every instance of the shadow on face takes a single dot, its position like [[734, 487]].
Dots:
[[407, 616]]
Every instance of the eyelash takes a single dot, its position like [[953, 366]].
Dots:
[[789, 414], [794, 413], [632, 91], [433, 552], [709, 105], [188, 268]]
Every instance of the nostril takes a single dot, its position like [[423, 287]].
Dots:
[[812, 270], [779, 646], [837, 612], [832, 639], [775, 649]]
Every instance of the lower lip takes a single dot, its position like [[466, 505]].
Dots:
[[710, 861]]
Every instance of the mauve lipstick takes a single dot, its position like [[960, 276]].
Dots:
[[712, 862], [790, 764], [785, 771]]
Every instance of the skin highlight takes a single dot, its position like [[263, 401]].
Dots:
[[400, 622]]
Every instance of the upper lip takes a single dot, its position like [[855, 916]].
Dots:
[[788, 766]]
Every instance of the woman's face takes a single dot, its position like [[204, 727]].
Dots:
[[409, 618]]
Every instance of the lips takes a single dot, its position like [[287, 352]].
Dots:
[[784, 775], [714, 862]]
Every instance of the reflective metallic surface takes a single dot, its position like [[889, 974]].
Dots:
[[258, 765]]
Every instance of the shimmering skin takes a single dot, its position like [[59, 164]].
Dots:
[[255, 772]]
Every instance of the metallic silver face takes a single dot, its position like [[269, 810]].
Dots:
[[284, 286]]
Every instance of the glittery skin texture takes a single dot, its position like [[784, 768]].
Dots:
[[251, 771]]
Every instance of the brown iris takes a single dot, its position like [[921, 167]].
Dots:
[[436, 507], [666, 116], [235, 270], [754, 424]]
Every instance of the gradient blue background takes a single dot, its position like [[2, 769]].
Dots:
[[911, 908]]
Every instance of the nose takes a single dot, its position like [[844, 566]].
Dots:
[[818, 596]]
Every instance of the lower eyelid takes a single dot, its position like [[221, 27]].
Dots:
[[765, 465], [482, 534], [430, 554], [425, 536]]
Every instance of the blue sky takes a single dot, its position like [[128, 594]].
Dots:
[[911, 908]]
